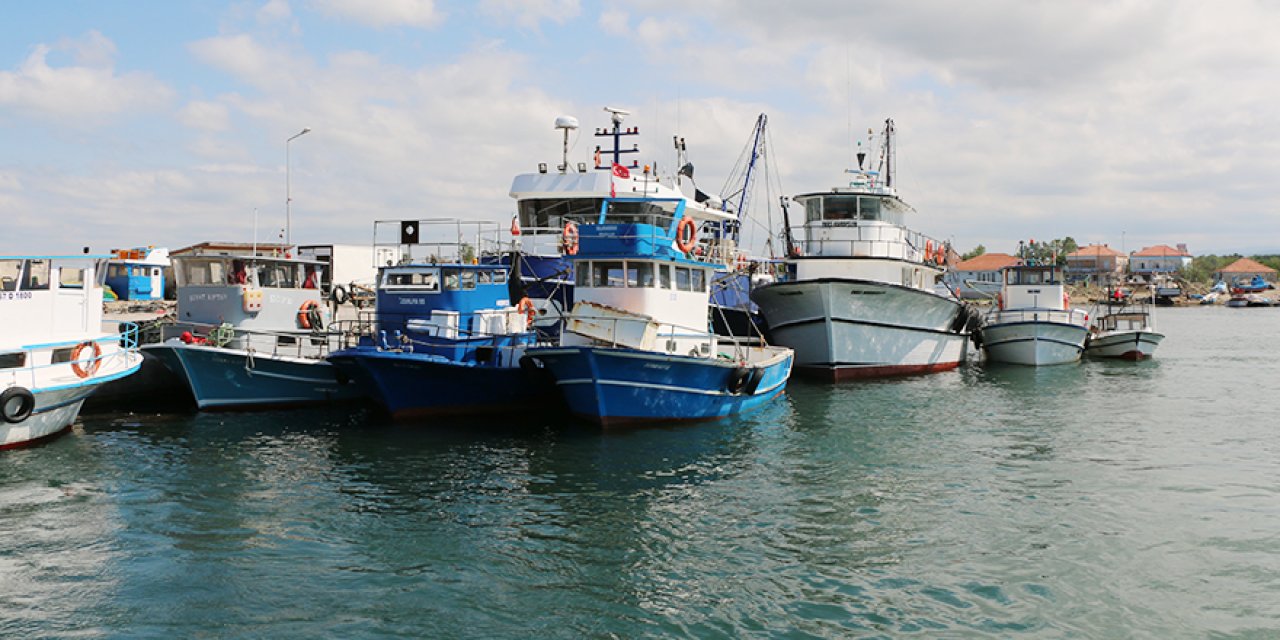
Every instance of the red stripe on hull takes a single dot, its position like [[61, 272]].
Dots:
[[35, 441], [836, 374]]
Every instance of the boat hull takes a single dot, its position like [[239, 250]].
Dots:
[[1126, 345], [408, 385], [1033, 343], [56, 408], [229, 379], [614, 386], [843, 329]]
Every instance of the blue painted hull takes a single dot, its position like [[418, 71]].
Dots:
[[229, 379], [409, 385], [613, 386]]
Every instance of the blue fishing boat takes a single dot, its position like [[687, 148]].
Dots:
[[252, 332], [553, 201], [138, 273], [636, 346], [446, 335]]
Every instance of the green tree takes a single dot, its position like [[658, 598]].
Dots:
[[977, 251]]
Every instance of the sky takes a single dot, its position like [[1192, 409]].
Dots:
[[1130, 123]]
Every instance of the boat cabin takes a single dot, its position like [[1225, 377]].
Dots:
[[48, 305], [450, 301], [1034, 286], [253, 292], [138, 274]]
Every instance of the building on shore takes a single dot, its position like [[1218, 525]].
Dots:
[[978, 277], [1244, 270], [1096, 262], [1159, 260]]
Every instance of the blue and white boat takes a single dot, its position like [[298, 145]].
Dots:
[[446, 337], [138, 273], [636, 346], [252, 332], [551, 202], [53, 351]]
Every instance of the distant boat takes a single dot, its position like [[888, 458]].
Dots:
[[53, 351], [1254, 285], [1033, 323], [1122, 330], [1249, 300]]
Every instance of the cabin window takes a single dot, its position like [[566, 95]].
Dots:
[[813, 210], [468, 280], [485, 277], [71, 278], [840, 208], [116, 270], [277, 275], [699, 277], [10, 271], [427, 280], [549, 216], [584, 275], [61, 355], [869, 209], [37, 276], [683, 281], [459, 280], [606, 274], [644, 273], [211, 272], [664, 276], [499, 277], [13, 360], [651, 213]]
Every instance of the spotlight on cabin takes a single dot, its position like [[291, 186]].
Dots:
[[542, 167], [562, 167], [582, 167]]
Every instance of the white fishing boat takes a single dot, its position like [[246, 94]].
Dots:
[[861, 299], [53, 351], [1033, 322], [1122, 328]]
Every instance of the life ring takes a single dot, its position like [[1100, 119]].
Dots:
[[1066, 300], [339, 295], [309, 316], [526, 307], [928, 250], [942, 254], [1000, 301], [686, 235], [15, 412], [569, 238], [94, 363]]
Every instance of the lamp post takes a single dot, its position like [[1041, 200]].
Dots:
[[288, 193]]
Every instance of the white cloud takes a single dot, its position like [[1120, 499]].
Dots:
[[383, 13], [206, 115], [530, 13], [614, 22], [90, 89], [274, 11]]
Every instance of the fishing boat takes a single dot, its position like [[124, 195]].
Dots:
[[445, 336], [636, 346], [53, 351], [1122, 328], [860, 300], [1033, 322], [1254, 285], [1240, 300], [556, 198], [251, 332]]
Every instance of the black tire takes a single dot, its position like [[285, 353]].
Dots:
[[16, 404], [339, 295], [738, 380]]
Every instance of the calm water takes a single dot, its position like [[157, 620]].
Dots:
[[1099, 500]]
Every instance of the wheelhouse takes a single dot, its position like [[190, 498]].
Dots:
[[253, 271], [834, 209]]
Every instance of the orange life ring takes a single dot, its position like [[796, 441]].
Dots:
[[94, 363], [526, 307], [304, 313], [569, 238], [686, 234], [928, 250], [942, 254], [1066, 300]]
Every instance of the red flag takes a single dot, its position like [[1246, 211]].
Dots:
[[613, 192], [620, 171]]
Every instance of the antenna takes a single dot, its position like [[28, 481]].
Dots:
[[618, 114], [567, 123]]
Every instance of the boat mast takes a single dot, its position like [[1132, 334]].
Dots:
[[616, 133], [886, 159]]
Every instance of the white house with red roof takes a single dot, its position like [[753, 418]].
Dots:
[[979, 277], [1161, 258]]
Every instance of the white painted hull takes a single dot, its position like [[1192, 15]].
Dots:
[[1033, 343], [1128, 345], [842, 328], [57, 407]]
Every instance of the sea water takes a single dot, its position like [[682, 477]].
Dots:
[[1105, 499]]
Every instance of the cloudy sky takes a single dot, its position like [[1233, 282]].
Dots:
[[1130, 123]]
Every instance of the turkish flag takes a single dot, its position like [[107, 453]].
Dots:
[[620, 171]]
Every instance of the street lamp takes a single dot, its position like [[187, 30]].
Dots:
[[288, 194]]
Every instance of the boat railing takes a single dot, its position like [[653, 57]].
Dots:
[[661, 337], [371, 326], [1065, 316], [128, 340], [872, 241], [276, 343], [438, 240]]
